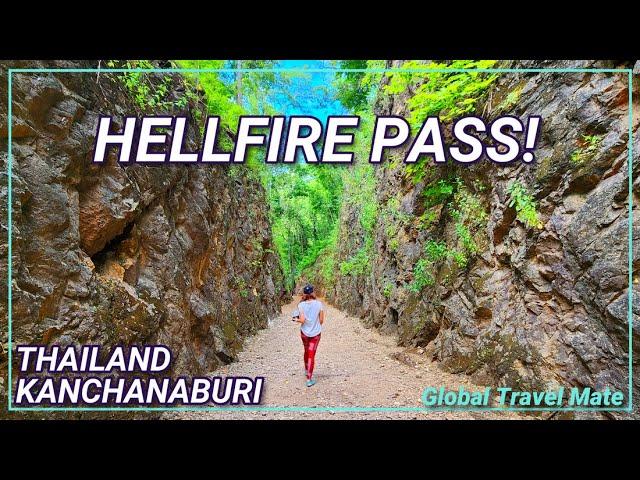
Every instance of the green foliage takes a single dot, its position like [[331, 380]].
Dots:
[[355, 89], [151, 90], [359, 179], [469, 216], [305, 203], [395, 215], [427, 219], [350, 88], [440, 191], [360, 262], [313, 252], [512, 98], [387, 289], [589, 146], [524, 204], [368, 215], [416, 172], [241, 286], [467, 205], [391, 230], [327, 270], [478, 186], [448, 95], [464, 235], [592, 141], [436, 250], [422, 276], [304, 200], [394, 219], [360, 194]]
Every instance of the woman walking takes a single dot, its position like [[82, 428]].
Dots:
[[311, 316]]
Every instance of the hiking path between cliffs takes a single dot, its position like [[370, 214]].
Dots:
[[355, 367]]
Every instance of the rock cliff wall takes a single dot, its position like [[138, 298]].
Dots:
[[104, 254], [531, 306]]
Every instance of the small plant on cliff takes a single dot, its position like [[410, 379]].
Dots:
[[368, 215], [524, 204], [387, 289], [469, 215], [393, 213], [590, 145], [146, 93], [354, 89], [360, 262], [440, 191], [464, 235], [438, 251], [511, 99], [435, 250], [241, 286], [426, 220], [422, 276]]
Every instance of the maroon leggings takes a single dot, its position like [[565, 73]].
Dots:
[[310, 347]]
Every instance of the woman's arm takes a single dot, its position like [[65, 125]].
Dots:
[[301, 317], [321, 317]]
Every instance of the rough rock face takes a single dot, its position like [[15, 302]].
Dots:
[[533, 307], [180, 256]]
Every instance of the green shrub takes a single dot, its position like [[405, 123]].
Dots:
[[436, 251], [511, 99], [391, 230], [448, 95], [524, 204], [359, 263], [368, 215], [464, 235], [439, 192], [328, 270], [468, 208], [422, 276], [590, 145], [416, 172], [149, 94], [427, 219]]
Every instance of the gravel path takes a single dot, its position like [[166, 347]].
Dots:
[[355, 367]]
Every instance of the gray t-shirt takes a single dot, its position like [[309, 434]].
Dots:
[[311, 310]]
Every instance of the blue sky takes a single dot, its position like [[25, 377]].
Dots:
[[313, 91]]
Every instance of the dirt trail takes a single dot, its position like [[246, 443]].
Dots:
[[355, 367]]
